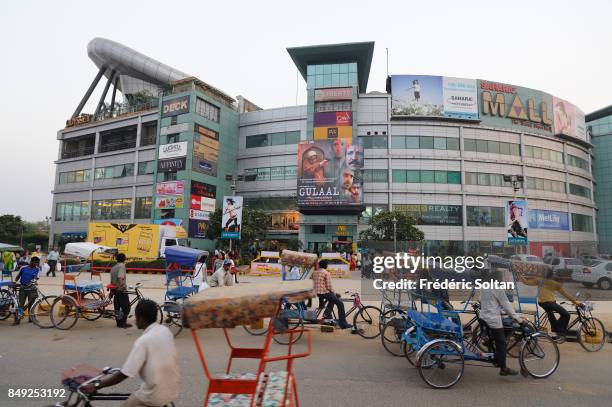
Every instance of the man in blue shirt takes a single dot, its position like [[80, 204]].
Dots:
[[27, 276]]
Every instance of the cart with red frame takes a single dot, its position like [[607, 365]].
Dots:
[[227, 307]]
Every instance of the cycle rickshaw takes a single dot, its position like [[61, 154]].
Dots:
[[82, 297], [227, 307], [180, 264]]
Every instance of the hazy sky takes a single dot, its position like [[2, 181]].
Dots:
[[561, 47]]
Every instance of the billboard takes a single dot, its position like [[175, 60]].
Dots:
[[551, 220], [197, 228], [137, 241], [172, 165], [201, 203], [333, 119], [515, 107], [176, 106], [434, 96], [205, 150], [170, 188], [329, 173], [516, 221], [203, 189], [568, 119], [168, 202], [231, 220], [198, 214], [330, 94], [172, 150], [333, 132], [169, 222]]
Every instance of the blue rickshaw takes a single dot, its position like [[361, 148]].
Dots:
[[179, 264]]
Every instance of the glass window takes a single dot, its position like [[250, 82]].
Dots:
[[375, 176], [528, 151], [504, 148], [412, 142], [579, 190], [291, 172], [146, 167], [148, 134], [277, 173], [277, 139], [493, 146], [488, 216], [469, 144], [292, 137], [582, 223], [515, 149], [142, 207], [207, 110], [440, 143], [398, 176], [427, 177], [426, 143], [263, 174], [483, 179], [413, 176], [440, 177], [454, 177], [471, 178], [481, 146], [259, 140], [398, 142], [452, 143], [496, 180], [379, 142]]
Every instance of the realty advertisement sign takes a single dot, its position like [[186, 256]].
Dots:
[[434, 96], [329, 173], [516, 222], [231, 221]]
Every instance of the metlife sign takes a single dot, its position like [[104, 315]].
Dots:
[[173, 150]]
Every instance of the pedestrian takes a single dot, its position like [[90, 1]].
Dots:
[[52, 259], [223, 276], [118, 285], [27, 276], [200, 277], [353, 263], [152, 359], [324, 290], [230, 256], [8, 260], [218, 261]]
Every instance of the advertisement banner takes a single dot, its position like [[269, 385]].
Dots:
[[325, 133], [198, 214], [204, 166], [205, 151], [170, 188], [203, 189], [568, 119], [207, 143], [201, 203], [434, 96], [172, 165], [329, 173], [197, 228], [551, 220], [231, 221], [169, 202], [516, 221], [172, 150], [139, 242], [176, 106], [174, 129], [328, 94], [440, 215], [169, 222], [206, 132], [333, 119], [515, 107]]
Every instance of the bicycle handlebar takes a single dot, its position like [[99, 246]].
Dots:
[[105, 372]]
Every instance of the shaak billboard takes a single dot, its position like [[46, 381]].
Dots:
[[516, 222], [231, 221], [329, 174]]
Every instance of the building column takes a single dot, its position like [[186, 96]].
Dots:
[[463, 197]]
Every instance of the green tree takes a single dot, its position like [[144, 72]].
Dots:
[[254, 226], [11, 227], [381, 228]]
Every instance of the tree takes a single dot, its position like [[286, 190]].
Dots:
[[254, 226], [11, 227], [381, 228]]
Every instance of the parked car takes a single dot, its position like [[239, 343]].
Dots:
[[563, 267], [605, 256], [598, 272], [590, 258], [527, 258]]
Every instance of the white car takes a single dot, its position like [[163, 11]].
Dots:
[[599, 272], [563, 267], [528, 258]]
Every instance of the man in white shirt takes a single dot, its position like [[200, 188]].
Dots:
[[223, 276], [199, 274], [152, 359]]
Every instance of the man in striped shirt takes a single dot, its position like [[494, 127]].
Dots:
[[325, 292]]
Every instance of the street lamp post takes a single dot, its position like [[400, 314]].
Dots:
[[394, 234]]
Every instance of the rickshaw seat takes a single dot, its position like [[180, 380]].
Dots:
[[180, 292], [434, 321], [528, 300], [272, 387]]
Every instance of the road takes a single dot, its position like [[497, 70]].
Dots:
[[343, 370]]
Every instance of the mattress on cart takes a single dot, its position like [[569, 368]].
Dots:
[[434, 321], [84, 286]]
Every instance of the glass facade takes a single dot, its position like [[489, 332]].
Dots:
[[544, 154], [108, 209], [425, 143], [115, 171], [491, 146], [273, 139], [70, 177], [331, 75], [601, 130], [426, 176]]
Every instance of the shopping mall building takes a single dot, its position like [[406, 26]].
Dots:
[[451, 152]]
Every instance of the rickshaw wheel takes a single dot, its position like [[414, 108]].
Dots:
[[539, 356], [391, 335], [40, 311], [283, 338], [367, 322], [92, 314], [592, 334], [172, 313], [441, 363], [64, 312], [5, 304]]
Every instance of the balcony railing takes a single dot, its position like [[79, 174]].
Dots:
[[125, 109], [78, 153]]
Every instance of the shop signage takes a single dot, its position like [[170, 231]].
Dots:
[[326, 94], [77, 121], [197, 214], [175, 128], [169, 202], [203, 189], [201, 203], [333, 119], [172, 165], [173, 150], [174, 107], [206, 132], [170, 188], [341, 230], [197, 228], [324, 133], [204, 166]]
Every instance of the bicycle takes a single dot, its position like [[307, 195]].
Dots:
[[40, 311], [9, 302], [84, 400], [591, 333]]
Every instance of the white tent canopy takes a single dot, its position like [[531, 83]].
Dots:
[[86, 249]]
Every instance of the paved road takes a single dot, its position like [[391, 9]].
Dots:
[[344, 370]]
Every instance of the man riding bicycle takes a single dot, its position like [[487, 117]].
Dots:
[[152, 358]]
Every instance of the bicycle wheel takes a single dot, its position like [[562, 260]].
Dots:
[[388, 314], [284, 325], [173, 314], [441, 363], [539, 356], [592, 334], [64, 312], [6, 302], [391, 335], [513, 341], [366, 322], [255, 330], [40, 311], [92, 312]]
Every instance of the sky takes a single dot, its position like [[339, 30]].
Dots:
[[561, 47]]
